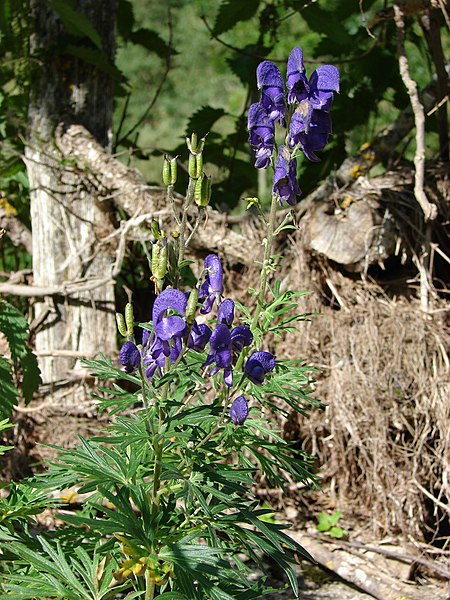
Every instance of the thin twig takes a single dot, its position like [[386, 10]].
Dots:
[[429, 209]]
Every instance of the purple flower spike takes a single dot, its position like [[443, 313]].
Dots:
[[225, 314], [261, 135], [285, 182], [212, 287], [240, 336], [199, 337], [258, 365], [296, 82], [239, 410], [270, 82], [130, 357]]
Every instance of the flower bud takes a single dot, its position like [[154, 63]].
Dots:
[[166, 175], [239, 410], [191, 307], [202, 193], [129, 319], [156, 249], [121, 324]]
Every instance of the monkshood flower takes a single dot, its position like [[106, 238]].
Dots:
[[168, 316], [315, 137], [220, 353], [130, 357], [239, 410], [270, 82], [258, 365], [212, 287], [310, 124], [225, 314], [240, 336], [285, 182], [199, 336], [261, 134], [156, 359]]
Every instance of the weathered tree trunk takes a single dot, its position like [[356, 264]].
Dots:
[[67, 221]]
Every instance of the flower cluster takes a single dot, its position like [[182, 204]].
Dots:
[[174, 333], [309, 123]]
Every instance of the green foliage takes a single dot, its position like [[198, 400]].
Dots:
[[328, 524], [14, 327]]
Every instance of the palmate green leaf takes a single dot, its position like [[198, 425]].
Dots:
[[31, 375], [232, 12], [15, 328]]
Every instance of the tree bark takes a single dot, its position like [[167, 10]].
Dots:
[[67, 221]]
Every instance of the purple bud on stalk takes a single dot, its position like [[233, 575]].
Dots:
[[130, 357], [239, 410]]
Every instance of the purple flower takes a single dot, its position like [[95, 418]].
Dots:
[[261, 134], [239, 410], [258, 365], [220, 353], [156, 358], [199, 336], [310, 125], [240, 336], [225, 314], [296, 80], [310, 131], [168, 314], [130, 357], [285, 182], [212, 287], [270, 82]]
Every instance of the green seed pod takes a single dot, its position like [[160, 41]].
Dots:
[[156, 231], [192, 143], [156, 249], [161, 267], [192, 166], [166, 175], [129, 319], [173, 171], [191, 307], [121, 324], [202, 193], [199, 164]]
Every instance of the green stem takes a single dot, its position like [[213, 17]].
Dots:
[[267, 254], [187, 203], [149, 586]]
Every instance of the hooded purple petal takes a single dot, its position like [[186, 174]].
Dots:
[[296, 82], [240, 336], [285, 182], [258, 365], [220, 338], [239, 410], [168, 299], [270, 82], [130, 357], [212, 287], [170, 327], [225, 314], [199, 336]]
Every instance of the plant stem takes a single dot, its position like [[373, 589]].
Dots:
[[266, 259], [149, 586]]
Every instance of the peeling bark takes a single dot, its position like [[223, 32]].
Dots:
[[67, 222]]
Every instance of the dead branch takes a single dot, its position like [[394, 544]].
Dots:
[[429, 210], [126, 189]]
